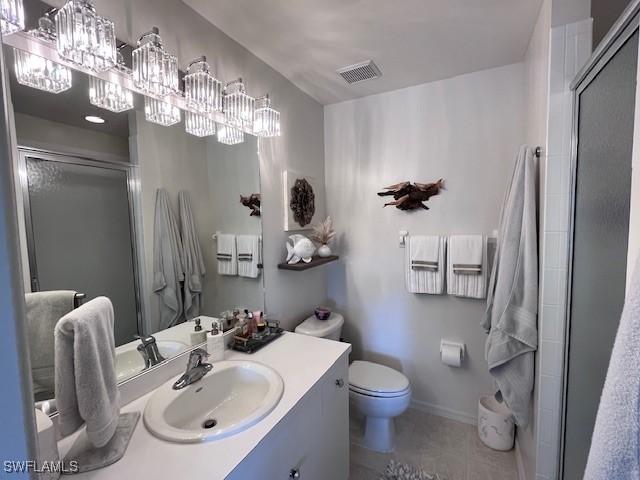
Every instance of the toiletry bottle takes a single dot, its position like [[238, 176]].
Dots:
[[215, 343], [198, 335]]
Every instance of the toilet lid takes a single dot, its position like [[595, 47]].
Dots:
[[320, 328], [373, 377]]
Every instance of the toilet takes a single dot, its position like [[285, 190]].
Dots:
[[378, 392]]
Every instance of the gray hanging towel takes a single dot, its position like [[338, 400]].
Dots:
[[168, 264], [194, 268], [512, 299], [85, 374]]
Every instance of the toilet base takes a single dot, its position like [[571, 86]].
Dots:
[[379, 434]]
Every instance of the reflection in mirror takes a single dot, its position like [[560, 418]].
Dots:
[[97, 191]]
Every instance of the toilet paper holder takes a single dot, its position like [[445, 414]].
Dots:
[[457, 345]]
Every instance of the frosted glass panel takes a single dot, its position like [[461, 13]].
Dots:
[[82, 235], [603, 189]]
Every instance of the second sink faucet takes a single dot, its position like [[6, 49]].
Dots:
[[196, 369], [148, 348]]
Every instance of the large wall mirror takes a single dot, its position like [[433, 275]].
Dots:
[[101, 193]]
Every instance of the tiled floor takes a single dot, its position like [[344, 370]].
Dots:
[[438, 445]]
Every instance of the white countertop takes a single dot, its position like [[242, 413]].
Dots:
[[300, 360]]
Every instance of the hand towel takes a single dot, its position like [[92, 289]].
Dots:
[[424, 264], [249, 255], [194, 268], [86, 384], [512, 299], [227, 255], [467, 266], [615, 444], [44, 309], [168, 264]]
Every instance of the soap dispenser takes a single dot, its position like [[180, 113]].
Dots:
[[215, 343], [198, 335]]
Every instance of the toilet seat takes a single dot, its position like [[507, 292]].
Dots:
[[369, 393], [375, 380]]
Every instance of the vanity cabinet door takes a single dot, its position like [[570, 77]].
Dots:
[[335, 421], [289, 451]]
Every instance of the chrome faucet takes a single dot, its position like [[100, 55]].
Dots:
[[196, 369], [148, 348]]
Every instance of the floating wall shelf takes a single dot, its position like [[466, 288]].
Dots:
[[316, 262]]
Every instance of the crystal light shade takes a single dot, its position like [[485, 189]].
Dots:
[[84, 37], [238, 106], [202, 91], [199, 125], [109, 96], [160, 112], [154, 70], [11, 16], [267, 120], [37, 72], [230, 135]]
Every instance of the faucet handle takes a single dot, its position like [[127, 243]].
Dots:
[[196, 357]]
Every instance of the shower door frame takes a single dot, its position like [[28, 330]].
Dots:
[[624, 28], [133, 202]]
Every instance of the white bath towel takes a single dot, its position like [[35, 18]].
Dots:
[[615, 444], [425, 264], [467, 266], [168, 264], [227, 254], [194, 268], [249, 255], [43, 310], [512, 298], [85, 375]]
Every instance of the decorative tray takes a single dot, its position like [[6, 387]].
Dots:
[[258, 340]]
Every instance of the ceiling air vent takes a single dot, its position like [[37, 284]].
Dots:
[[360, 72]]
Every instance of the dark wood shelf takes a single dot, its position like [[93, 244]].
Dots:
[[316, 262]]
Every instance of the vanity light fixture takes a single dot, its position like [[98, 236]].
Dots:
[[84, 37], [38, 72], [230, 135], [199, 125], [238, 106], [266, 121], [108, 95], [11, 16], [155, 71], [202, 91], [160, 112], [94, 119]]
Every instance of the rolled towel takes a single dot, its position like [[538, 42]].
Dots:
[[467, 266], [424, 267], [85, 374], [227, 255], [249, 255]]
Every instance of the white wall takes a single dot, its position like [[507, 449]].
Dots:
[[537, 107], [466, 130], [61, 138], [290, 295]]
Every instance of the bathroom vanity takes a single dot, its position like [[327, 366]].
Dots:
[[306, 434]]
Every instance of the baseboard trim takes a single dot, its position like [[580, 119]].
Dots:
[[519, 463], [444, 412]]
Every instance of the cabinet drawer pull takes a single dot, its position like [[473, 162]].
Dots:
[[294, 473], [339, 383]]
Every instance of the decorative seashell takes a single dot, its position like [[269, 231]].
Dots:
[[299, 248]]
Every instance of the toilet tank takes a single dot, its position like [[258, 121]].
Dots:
[[330, 328]]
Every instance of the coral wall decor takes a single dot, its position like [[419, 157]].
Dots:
[[303, 201], [411, 196]]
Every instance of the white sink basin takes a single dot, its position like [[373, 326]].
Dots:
[[229, 399], [129, 362]]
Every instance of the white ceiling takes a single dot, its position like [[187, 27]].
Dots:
[[412, 41]]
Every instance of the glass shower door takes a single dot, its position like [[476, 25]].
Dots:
[[80, 233]]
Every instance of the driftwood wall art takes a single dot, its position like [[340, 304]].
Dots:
[[411, 196], [252, 202]]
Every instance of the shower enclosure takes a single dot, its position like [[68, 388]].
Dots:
[[604, 94]]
